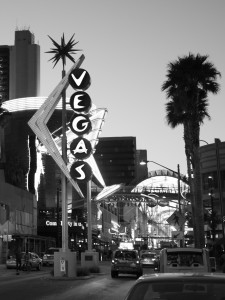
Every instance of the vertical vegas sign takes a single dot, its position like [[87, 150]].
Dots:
[[80, 124], [80, 147]]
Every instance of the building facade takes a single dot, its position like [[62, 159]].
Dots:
[[24, 66], [4, 72], [116, 159], [19, 77], [212, 160]]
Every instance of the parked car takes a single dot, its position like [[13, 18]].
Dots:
[[48, 257], [33, 261], [11, 262], [126, 261], [149, 259], [178, 286]]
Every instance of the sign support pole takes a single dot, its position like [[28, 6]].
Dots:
[[89, 215], [63, 177]]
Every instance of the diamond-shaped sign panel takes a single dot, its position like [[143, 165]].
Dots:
[[38, 123]]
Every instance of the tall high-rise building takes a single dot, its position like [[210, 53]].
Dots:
[[116, 159], [20, 67], [19, 78], [4, 73]]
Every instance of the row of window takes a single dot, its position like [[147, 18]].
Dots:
[[210, 180]]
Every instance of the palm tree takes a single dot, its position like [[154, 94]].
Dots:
[[189, 80]]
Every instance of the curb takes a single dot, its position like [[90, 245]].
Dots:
[[75, 278]]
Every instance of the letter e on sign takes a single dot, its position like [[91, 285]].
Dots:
[[80, 102]]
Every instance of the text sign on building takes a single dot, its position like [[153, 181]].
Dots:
[[80, 124]]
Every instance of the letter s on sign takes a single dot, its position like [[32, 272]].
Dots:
[[81, 171]]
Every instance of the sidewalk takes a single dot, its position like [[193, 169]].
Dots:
[[4, 272]]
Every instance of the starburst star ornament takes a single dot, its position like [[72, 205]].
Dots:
[[63, 51]]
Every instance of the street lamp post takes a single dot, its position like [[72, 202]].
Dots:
[[144, 162]]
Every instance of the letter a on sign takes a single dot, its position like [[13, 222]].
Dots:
[[81, 148]]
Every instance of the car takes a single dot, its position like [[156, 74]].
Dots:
[[178, 286], [149, 259], [34, 261], [174, 260], [48, 257], [126, 261], [11, 262]]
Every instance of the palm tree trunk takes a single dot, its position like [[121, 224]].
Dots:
[[199, 212], [192, 196], [187, 140]]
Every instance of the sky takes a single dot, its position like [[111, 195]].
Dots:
[[128, 45]]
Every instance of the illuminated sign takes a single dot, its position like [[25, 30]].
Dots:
[[80, 102], [38, 123], [109, 190], [126, 245], [81, 171], [80, 79], [81, 148], [80, 125], [70, 223]]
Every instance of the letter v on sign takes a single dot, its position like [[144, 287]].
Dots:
[[80, 79], [38, 123]]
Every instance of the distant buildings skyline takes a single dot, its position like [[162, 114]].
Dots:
[[20, 67]]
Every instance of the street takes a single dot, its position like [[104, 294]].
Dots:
[[42, 286]]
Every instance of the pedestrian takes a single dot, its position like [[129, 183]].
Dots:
[[18, 260], [26, 260]]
